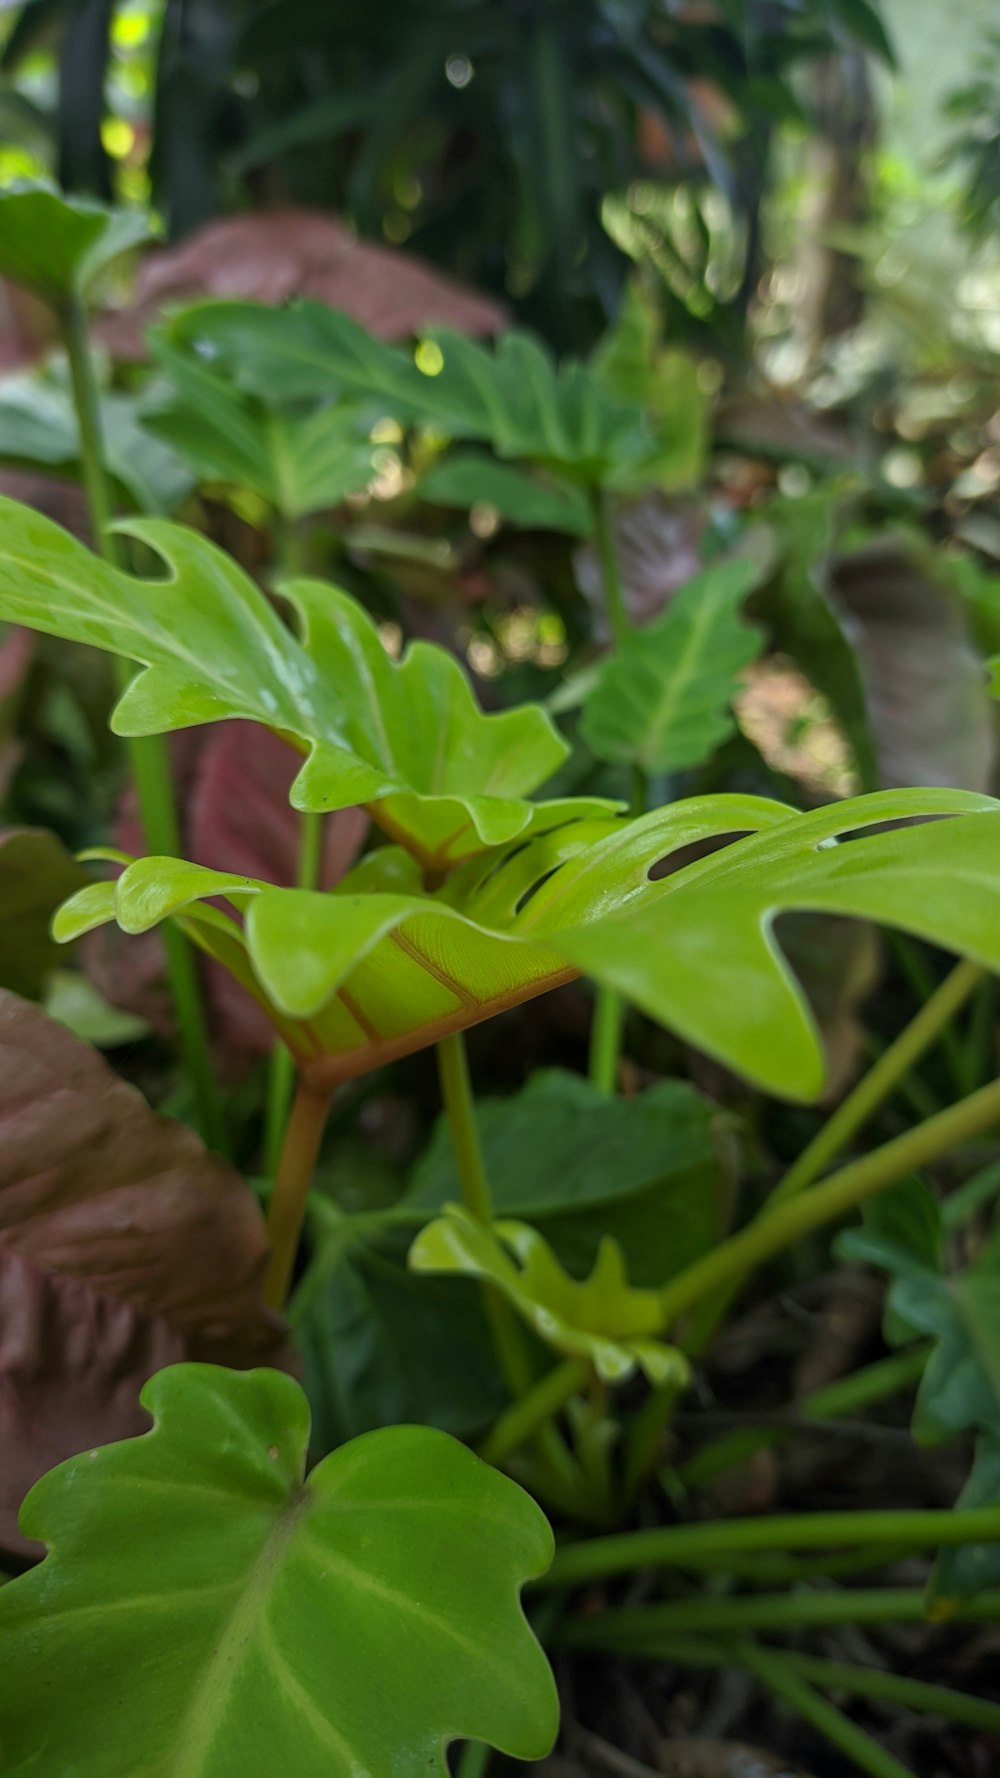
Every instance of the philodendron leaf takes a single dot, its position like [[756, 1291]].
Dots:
[[299, 461], [380, 968], [38, 428], [242, 1619], [601, 1318], [57, 246], [406, 738], [467, 480], [36, 874], [514, 396], [663, 698], [123, 1245]]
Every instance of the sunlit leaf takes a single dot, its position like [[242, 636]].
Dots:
[[663, 698], [407, 738], [57, 246], [601, 1318], [248, 1610], [380, 967]]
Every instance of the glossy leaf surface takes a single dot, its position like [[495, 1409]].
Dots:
[[379, 968], [662, 699], [601, 1318], [57, 246], [251, 1608], [407, 738]]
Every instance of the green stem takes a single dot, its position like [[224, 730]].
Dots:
[[775, 1672], [643, 1627], [535, 1409], [148, 755], [871, 1092], [299, 1152], [473, 1760], [841, 1676], [611, 578], [774, 1229], [921, 979], [669, 1544], [281, 1067], [606, 1039]]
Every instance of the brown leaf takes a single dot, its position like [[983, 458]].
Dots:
[[274, 256], [928, 705], [165, 1241], [656, 541]]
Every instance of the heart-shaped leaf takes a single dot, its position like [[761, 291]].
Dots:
[[662, 699], [123, 1244], [513, 397], [601, 1318], [379, 968], [406, 738], [261, 1621], [299, 461], [57, 246]]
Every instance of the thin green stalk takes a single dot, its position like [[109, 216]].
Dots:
[[841, 1676], [776, 1228], [644, 1626], [606, 1039], [668, 1545], [148, 755], [875, 1087], [281, 1067], [763, 1568], [774, 1671], [849, 1395], [611, 578], [287, 1209], [644, 1438], [533, 1410]]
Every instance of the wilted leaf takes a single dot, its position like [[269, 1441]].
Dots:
[[692, 949], [663, 698], [250, 1605], [96, 1190], [58, 246], [36, 874], [405, 738], [928, 706], [601, 1318], [272, 256]]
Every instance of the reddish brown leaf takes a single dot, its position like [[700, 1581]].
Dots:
[[164, 1241], [272, 257], [657, 541]]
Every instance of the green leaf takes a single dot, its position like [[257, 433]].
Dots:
[[513, 397], [378, 969], [407, 738], [58, 246], [603, 1318], [633, 365], [466, 480], [578, 1164], [966, 1568], [36, 874], [663, 698], [255, 1610], [38, 427], [298, 461]]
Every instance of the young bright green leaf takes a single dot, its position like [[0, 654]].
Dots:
[[513, 396], [57, 246], [407, 738], [209, 1611], [378, 968], [601, 1318], [466, 480], [663, 698], [299, 461]]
